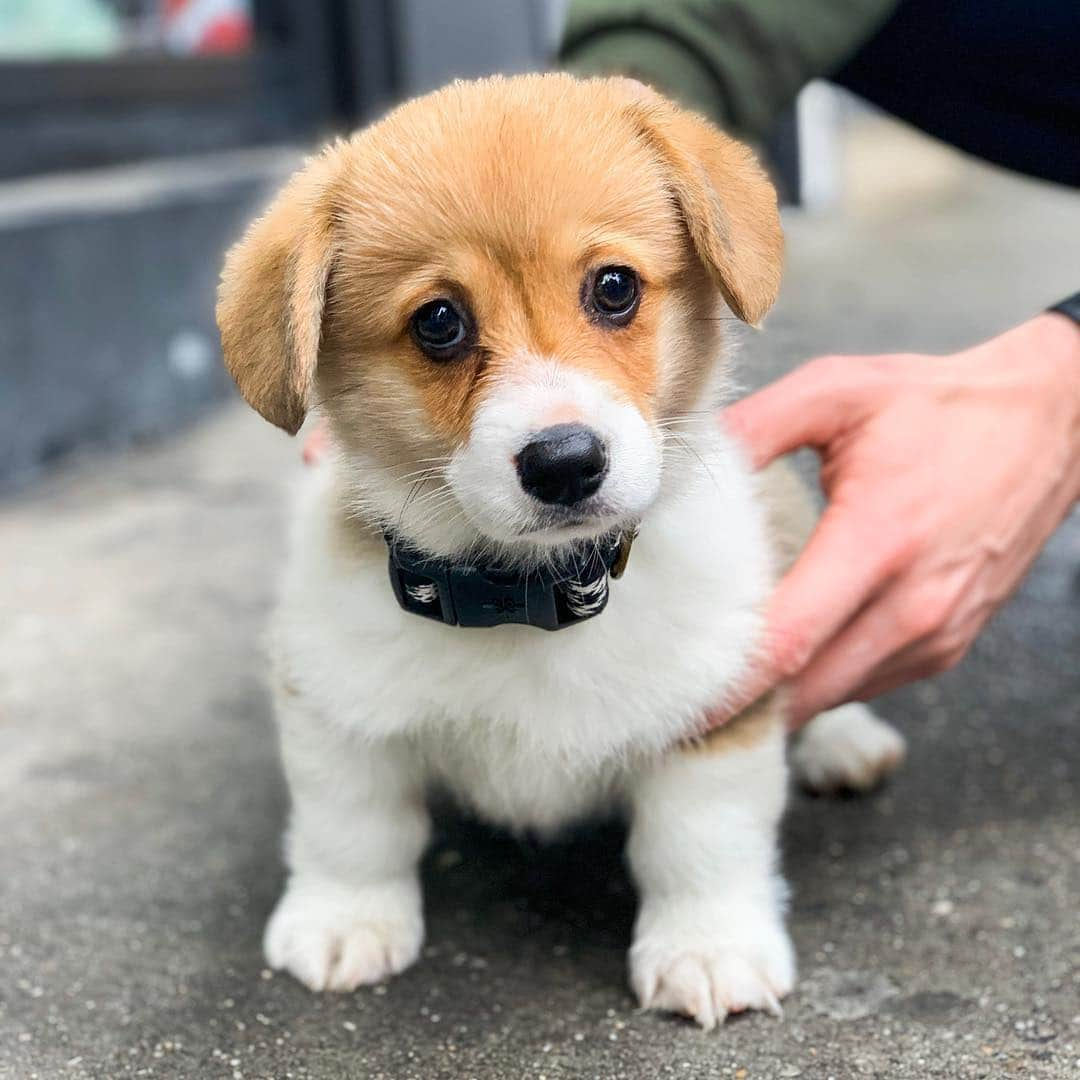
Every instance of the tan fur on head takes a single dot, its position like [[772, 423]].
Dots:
[[503, 192]]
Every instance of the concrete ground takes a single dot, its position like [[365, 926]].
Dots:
[[936, 922]]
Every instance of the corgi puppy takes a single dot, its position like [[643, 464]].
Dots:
[[534, 559]]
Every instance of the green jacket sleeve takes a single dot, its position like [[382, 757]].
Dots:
[[740, 62]]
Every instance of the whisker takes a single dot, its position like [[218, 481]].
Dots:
[[421, 474], [408, 499], [674, 421], [434, 501], [443, 458], [689, 448], [698, 415], [432, 463]]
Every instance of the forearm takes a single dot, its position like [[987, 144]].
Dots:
[[740, 62]]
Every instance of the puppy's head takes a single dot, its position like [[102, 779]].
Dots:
[[498, 294]]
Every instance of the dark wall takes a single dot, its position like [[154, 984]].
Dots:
[[107, 301]]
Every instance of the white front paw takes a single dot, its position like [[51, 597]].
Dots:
[[705, 960], [332, 937]]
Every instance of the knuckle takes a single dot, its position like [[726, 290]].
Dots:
[[792, 648], [900, 552], [912, 623], [952, 646], [953, 659], [924, 615], [945, 658]]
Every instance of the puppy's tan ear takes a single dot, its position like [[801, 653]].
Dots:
[[272, 294], [727, 201]]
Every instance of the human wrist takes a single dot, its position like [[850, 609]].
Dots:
[[1066, 331], [1069, 307], [1059, 338]]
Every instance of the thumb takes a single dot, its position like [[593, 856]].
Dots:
[[809, 407]]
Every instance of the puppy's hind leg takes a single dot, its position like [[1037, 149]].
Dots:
[[848, 748], [351, 912], [710, 936]]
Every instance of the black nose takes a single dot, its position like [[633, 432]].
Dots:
[[562, 464]]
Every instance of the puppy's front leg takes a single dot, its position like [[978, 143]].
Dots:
[[710, 936], [351, 912]]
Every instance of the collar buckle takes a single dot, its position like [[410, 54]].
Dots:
[[470, 595]]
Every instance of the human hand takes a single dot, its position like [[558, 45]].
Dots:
[[945, 476]]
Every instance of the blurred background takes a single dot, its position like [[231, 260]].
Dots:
[[142, 514], [136, 137]]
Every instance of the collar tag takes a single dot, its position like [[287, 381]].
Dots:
[[471, 595]]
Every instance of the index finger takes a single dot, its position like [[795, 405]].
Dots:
[[811, 406]]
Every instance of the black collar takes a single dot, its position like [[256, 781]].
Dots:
[[573, 588]]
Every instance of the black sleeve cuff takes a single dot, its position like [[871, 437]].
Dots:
[[1070, 307]]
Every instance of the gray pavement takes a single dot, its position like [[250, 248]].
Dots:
[[936, 922]]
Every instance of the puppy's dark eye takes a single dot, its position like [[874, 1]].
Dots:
[[615, 293], [440, 329]]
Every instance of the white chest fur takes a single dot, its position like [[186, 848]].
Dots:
[[535, 728]]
